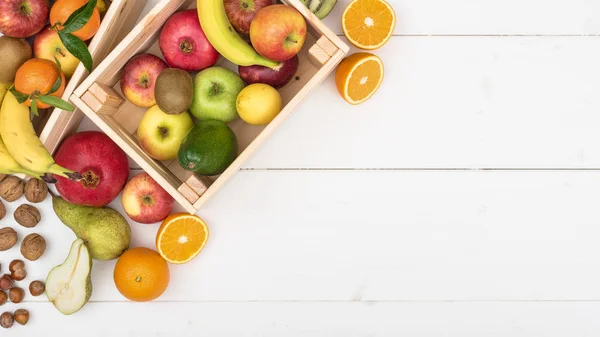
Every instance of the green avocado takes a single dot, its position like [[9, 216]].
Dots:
[[208, 149]]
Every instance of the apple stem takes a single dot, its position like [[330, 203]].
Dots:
[[59, 50]]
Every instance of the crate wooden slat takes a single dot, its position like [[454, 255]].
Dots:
[[322, 52]]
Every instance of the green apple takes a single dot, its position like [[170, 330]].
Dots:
[[215, 93], [160, 134]]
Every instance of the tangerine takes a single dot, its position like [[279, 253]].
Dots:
[[38, 76], [141, 274], [62, 9]]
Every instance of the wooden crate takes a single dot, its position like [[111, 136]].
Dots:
[[322, 52], [54, 125]]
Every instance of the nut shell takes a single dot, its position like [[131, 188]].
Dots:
[[27, 216], [6, 282], [33, 247], [2, 176], [12, 188], [21, 316], [3, 297], [36, 190], [8, 238], [2, 210], [16, 295], [37, 288], [7, 320]]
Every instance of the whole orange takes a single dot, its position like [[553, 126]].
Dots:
[[141, 274], [62, 9], [38, 76]]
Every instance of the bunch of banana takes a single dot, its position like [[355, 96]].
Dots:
[[21, 151], [225, 39]]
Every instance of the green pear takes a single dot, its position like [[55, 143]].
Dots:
[[105, 231], [69, 285]]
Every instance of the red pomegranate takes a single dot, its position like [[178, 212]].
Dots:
[[103, 165]]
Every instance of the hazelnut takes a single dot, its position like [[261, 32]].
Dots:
[[11, 189], [7, 320], [16, 294], [36, 190], [22, 316], [2, 211], [27, 216], [37, 288], [3, 297], [6, 282], [16, 265], [33, 247], [17, 270], [8, 238]]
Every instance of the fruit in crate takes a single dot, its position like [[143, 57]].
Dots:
[[181, 237], [209, 148], [215, 92], [160, 134], [183, 43], [259, 104], [225, 38], [141, 274], [139, 78], [69, 285], [321, 8], [103, 165], [105, 231], [275, 78], [368, 24], [174, 91], [13, 53], [278, 32], [358, 77], [145, 201], [62, 9], [241, 12], [39, 75], [23, 18], [47, 45]]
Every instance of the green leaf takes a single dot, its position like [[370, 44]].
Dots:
[[21, 98], [56, 102], [34, 108], [58, 82], [80, 17], [78, 48], [58, 63]]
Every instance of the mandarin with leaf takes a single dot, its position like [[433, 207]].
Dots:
[[62, 10], [39, 77]]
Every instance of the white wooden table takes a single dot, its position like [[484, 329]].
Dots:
[[462, 200]]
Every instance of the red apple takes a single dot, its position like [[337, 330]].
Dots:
[[241, 12], [23, 18], [139, 78], [103, 165], [184, 45], [145, 201], [278, 32], [275, 78], [47, 45]]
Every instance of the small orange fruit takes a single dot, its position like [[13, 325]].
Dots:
[[141, 274], [62, 9], [38, 76], [358, 77], [368, 24], [181, 237]]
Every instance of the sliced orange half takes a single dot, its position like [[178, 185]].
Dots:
[[181, 237], [368, 24], [358, 77]]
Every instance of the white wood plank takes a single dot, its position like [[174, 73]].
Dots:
[[456, 102], [549, 319], [489, 17], [380, 236]]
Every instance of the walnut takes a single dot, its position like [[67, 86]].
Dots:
[[27, 216], [2, 176], [11, 188], [36, 190], [2, 210], [33, 247], [8, 238]]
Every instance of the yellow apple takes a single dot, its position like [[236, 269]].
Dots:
[[259, 104], [47, 45]]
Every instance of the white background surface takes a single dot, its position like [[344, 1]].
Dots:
[[462, 200]]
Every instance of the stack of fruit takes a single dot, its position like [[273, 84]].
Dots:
[[191, 41]]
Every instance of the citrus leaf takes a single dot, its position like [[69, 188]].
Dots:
[[56, 86], [56, 102], [80, 17], [21, 98], [34, 109], [78, 48]]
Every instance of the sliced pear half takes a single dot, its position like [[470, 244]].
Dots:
[[69, 285]]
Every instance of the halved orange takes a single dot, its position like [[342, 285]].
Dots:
[[368, 24], [358, 77], [181, 237]]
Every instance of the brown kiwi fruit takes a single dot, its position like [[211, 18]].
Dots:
[[174, 91], [13, 53]]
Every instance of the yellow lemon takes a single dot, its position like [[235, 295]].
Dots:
[[259, 104]]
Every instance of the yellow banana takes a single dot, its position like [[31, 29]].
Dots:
[[3, 89], [224, 38], [21, 141], [8, 165]]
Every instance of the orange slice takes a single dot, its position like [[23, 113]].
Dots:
[[358, 77], [181, 237], [368, 24]]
